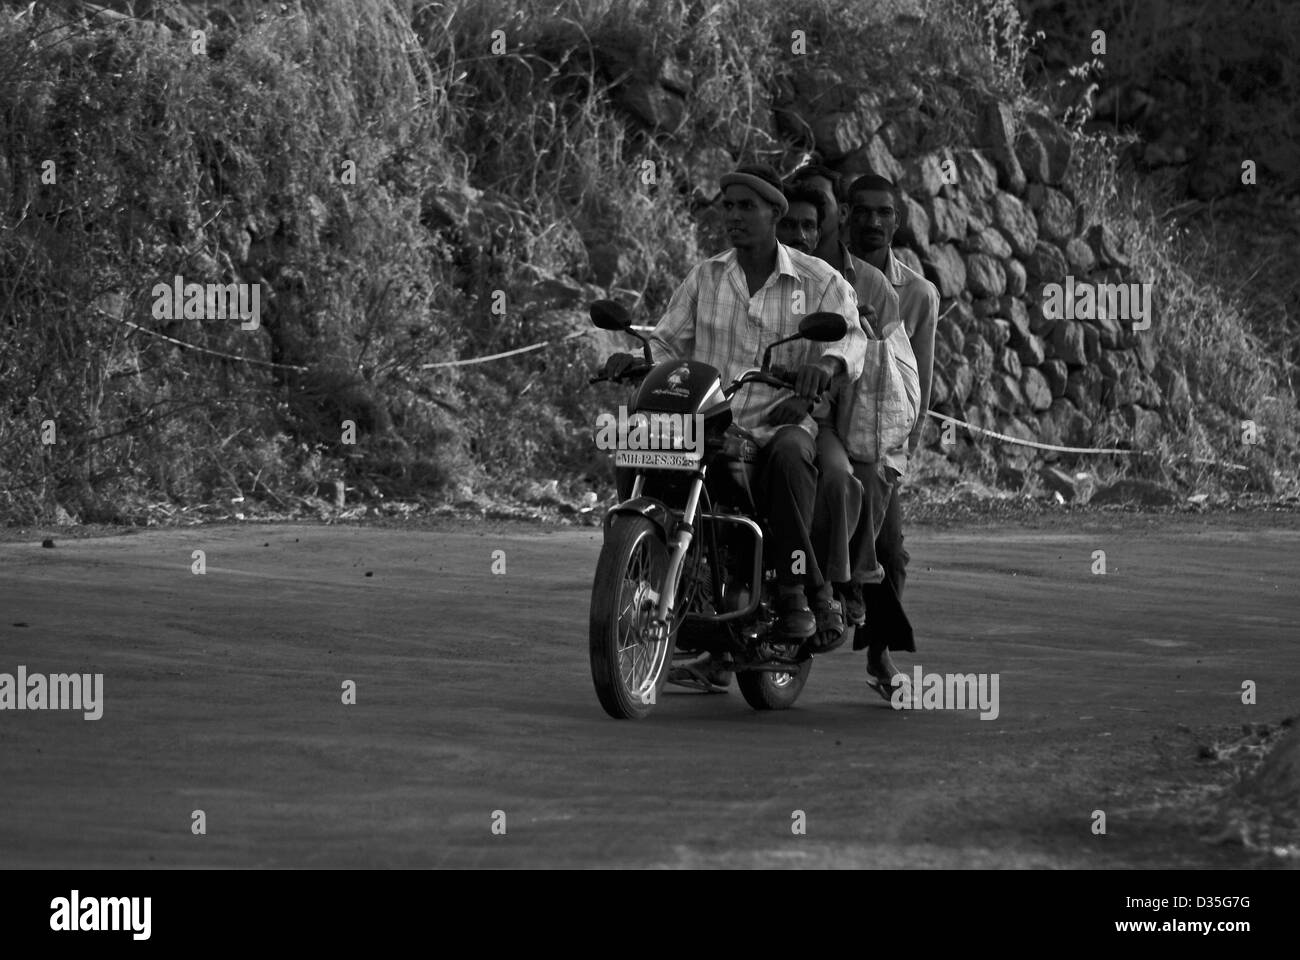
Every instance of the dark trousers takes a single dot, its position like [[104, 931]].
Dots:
[[890, 628], [858, 531], [891, 553], [787, 492], [851, 501]]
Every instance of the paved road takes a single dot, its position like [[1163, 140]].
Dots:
[[223, 693]]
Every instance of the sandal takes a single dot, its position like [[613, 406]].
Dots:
[[855, 607], [881, 678], [714, 678], [831, 628]]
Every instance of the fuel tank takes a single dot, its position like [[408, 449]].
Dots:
[[683, 386]]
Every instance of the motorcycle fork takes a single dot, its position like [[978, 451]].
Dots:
[[679, 544]]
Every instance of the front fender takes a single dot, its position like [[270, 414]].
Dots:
[[653, 510]]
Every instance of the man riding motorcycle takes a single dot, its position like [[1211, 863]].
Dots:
[[724, 313]]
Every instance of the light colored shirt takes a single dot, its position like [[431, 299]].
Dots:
[[874, 414], [713, 319], [872, 289], [918, 305]]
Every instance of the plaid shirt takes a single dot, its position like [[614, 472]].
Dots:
[[918, 305], [871, 413], [872, 289], [713, 319]]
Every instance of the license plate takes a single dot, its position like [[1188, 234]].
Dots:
[[658, 459]]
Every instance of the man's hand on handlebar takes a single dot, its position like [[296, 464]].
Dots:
[[814, 378], [810, 380], [620, 365]]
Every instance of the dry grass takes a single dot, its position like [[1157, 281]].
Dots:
[[1202, 328], [227, 167]]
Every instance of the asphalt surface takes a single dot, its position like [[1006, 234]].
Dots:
[[223, 692]]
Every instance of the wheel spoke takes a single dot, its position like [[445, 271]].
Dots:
[[637, 604]]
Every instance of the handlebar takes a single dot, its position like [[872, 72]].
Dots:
[[782, 378], [779, 377], [785, 374], [634, 372]]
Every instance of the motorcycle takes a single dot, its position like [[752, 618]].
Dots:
[[682, 585]]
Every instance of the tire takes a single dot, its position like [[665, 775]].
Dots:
[[629, 673], [765, 690]]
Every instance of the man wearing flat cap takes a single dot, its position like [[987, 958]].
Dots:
[[724, 313]]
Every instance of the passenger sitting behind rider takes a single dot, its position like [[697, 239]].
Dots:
[[724, 313], [869, 435], [843, 496]]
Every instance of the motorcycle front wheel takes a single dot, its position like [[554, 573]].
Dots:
[[629, 664]]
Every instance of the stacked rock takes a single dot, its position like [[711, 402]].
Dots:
[[995, 226]]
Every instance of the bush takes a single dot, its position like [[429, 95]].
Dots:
[[222, 168]]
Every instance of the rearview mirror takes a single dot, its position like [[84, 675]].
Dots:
[[609, 315], [823, 326]]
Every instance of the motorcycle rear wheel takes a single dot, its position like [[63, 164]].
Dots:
[[627, 669], [766, 690]]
